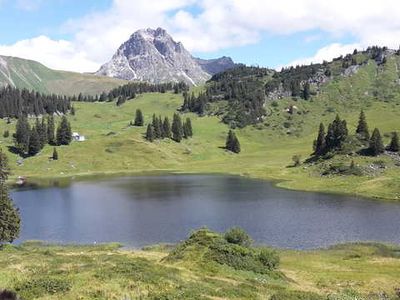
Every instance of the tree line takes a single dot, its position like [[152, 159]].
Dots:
[[17, 102], [30, 140], [130, 90], [244, 97], [163, 129], [337, 138]]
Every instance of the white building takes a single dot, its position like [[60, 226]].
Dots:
[[77, 137]]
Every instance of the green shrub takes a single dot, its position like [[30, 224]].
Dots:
[[39, 287], [238, 236], [269, 258], [296, 295]]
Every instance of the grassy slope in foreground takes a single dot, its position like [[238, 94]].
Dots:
[[114, 147], [32, 75], [38, 271]]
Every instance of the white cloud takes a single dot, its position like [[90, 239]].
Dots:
[[60, 54], [218, 25], [327, 53]]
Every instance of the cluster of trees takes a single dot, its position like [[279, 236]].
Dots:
[[245, 97], [10, 221], [15, 102], [337, 136], [161, 129], [130, 90], [232, 142], [30, 140], [294, 80]]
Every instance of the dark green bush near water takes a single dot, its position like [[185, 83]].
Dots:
[[233, 250]]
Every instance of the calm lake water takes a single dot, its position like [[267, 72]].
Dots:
[[138, 211]]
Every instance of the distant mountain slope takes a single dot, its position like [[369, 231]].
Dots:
[[153, 56], [23, 73], [217, 65]]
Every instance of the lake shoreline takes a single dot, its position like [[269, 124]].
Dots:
[[47, 181]]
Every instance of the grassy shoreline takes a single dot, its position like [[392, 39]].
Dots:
[[48, 271]]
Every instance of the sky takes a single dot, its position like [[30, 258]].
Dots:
[[81, 35]]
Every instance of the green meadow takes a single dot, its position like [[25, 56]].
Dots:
[[114, 147], [40, 271]]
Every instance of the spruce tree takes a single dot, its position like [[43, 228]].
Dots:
[[394, 143], [64, 134], [362, 128], [50, 130], [157, 127], [177, 130], [232, 143], [167, 128], [306, 91], [320, 141], [150, 133], [187, 128], [34, 142], [10, 221], [22, 133], [336, 135], [375, 144], [139, 120], [55, 154]]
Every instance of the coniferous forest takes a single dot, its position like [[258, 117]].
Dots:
[[15, 102]]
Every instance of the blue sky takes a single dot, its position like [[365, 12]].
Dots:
[[81, 35]]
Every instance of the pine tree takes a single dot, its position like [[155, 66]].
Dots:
[[157, 127], [362, 128], [177, 130], [320, 141], [375, 144], [55, 154], [50, 130], [34, 142], [232, 143], [139, 120], [306, 91], [394, 143], [150, 133], [336, 135], [22, 133], [64, 134], [10, 221], [167, 128], [187, 128]]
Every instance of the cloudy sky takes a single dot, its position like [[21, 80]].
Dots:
[[80, 35]]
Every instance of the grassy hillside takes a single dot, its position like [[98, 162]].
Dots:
[[39, 271], [32, 75], [113, 146]]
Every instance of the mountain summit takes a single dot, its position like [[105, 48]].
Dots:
[[153, 56]]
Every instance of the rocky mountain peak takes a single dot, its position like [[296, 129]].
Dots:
[[152, 55]]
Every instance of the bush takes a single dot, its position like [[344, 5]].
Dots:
[[296, 160], [238, 236], [296, 295], [269, 258], [39, 287]]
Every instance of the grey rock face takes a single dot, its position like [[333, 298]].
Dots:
[[153, 56], [217, 65]]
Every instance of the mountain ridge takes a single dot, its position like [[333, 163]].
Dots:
[[153, 55], [32, 75]]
